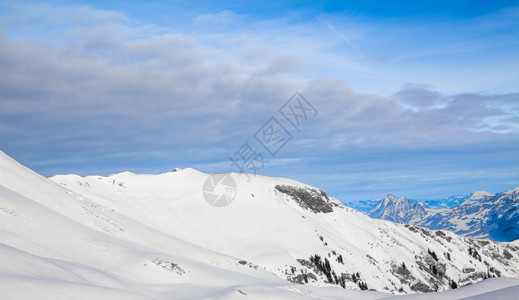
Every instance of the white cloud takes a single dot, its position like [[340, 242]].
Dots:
[[223, 17], [115, 91]]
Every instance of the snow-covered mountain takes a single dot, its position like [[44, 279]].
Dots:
[[447, 202], [366, 206], [481, 215], [363, 205], [399, 210], [131, 236]]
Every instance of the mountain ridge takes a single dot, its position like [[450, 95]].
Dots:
[[156, 237], [480, 215]]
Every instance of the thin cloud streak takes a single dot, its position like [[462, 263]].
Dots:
[[345, 39]]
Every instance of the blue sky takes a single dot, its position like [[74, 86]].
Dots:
[[418, 99]]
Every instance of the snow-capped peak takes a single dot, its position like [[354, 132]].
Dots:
[[399, 210], [143, 236], [480, 195]]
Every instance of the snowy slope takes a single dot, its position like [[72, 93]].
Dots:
[[57, 241], [493, 288], [130, 236]]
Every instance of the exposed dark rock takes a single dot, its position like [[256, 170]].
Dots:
[[421, 287], [313, 199]]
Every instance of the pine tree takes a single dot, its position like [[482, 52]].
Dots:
[[363, 286], [343, 281], [327, 266], [317, 261], [454, 285], [433, 254]]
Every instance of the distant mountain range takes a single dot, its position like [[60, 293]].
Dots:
[[366, 206], [480, 215], [448, 202]]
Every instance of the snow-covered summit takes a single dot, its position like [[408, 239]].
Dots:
[[399, 210], [481, 195], [477, 196], [142, 236]]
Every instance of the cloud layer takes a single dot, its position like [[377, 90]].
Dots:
[[88, 90]]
